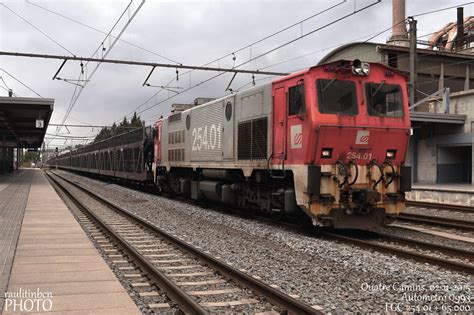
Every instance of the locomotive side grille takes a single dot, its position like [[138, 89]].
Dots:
[[259, 138], [244, 147], [174, 117], [176, 155], [252, 142], [176, 137]]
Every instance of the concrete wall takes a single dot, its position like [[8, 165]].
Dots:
[[462, 198], [462, 103], [426, 166]]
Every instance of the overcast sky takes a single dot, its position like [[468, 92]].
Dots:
[[188, 32]]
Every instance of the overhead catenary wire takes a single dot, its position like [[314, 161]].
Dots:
[[75, 99], [377, 34], [5, 83], [267, 52], [133, 63], [8, 91], [382, 32], [443, 9], [69, 136], [75, 96], [241, 49], [16, 79], [100, 31], [88, 126], [36, 28], [371, 36], [311, 32]]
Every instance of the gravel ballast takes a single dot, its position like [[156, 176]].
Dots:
[[335, 276]]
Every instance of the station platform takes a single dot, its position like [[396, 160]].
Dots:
[[454, 194], [46, 256]]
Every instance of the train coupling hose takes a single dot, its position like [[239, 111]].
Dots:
[[352, 163], [345, 171], [374, 162], [392, 176]]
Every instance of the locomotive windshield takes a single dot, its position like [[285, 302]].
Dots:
[[337, 97], [384, 99]]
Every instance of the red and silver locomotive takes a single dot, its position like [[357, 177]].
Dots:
[[329, 141]]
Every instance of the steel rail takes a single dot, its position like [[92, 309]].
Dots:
[[441, 206], [462, 253], [453, 265], [185, 302], [278, 298], [441, 221]]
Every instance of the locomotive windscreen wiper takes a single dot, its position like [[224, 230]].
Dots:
[[378, 88], [329, 83]]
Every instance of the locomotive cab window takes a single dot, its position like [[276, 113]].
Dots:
[[337, 97], [384, 99], [296, 102]]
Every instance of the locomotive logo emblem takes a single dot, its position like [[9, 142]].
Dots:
[[362, 137], [296, 135]]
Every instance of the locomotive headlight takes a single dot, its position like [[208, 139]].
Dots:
[[360, 68], [391, 154], [366, 68], [326, 153]]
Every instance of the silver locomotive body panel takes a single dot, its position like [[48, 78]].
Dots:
[[208, 135]]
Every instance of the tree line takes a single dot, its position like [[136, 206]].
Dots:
[[123, 127]]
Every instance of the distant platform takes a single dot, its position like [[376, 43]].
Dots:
[[445, 187], [455, 194], [45, 251]]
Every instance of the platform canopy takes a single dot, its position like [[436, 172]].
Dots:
[[442, 118], [23, 121]]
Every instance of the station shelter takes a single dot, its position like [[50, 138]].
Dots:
[[23, 124]]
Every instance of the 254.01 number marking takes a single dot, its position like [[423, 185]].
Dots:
[[207, 137], [359, 156]]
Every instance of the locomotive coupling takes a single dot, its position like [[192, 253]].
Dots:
[[364, 199]]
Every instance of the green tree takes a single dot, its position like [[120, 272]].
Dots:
[[29, 157], [124, 126]]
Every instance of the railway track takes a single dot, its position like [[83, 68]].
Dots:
[[183, 272], [367, 239], [441, 206], [438, 221]]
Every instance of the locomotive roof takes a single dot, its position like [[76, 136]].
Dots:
[[304, 71], [292, 75]]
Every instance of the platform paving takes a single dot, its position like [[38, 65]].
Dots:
[[14, 190], [469, 188], [55, 257], [454, 194]]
